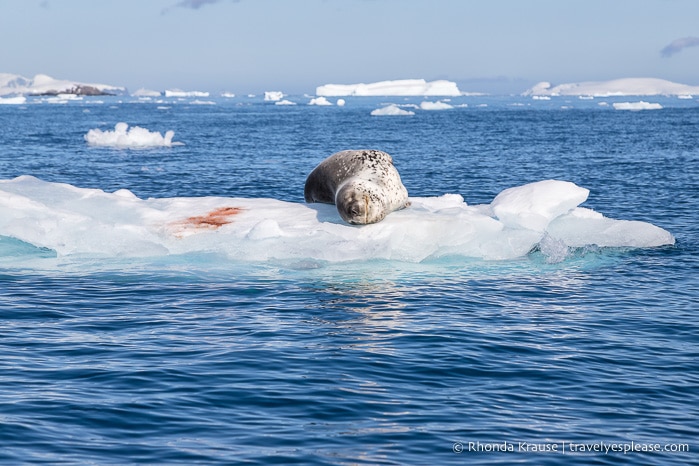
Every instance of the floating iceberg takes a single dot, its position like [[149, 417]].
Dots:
[[19, 100], [320, 101], [439, 105], [42, 84], [616, 87], [146, 93], [642, 105], [181, 93], [123, 137], [403, 87], [273, 96], [73, 220], [391, 110], [284, 102], [202, 102]]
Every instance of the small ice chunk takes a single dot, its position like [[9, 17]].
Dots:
[[19, 100], [391, 110], [635, 106], [439, 105], [583, 227], [123, 137], [321, 101], [534, 205], [273, 96], [555, 250]]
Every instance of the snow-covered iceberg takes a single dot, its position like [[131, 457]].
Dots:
[[320, 101], [41, 84], [439, 105], [142, 92], [72, 220], [18, 100], [616, 87], [273, 96], [641, 105], [122, 137], [180, 93], [402, 87], [391, 110]]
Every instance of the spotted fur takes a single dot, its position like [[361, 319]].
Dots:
[[363, 184]]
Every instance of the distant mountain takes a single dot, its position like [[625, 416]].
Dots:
[[616, 87], [41, 84]]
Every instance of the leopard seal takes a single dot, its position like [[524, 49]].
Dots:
[[363, 184]]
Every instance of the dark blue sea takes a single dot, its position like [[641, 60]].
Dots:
[[203, 359]]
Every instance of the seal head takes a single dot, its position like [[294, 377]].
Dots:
[[358, 203]]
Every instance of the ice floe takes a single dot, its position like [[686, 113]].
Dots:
[[181, 93], [18, 100], [543, 215], [439, 105], [142, 92], [320, 101], [123, 137], [641, 105], [273, 96], [391, 110], [401, 87]]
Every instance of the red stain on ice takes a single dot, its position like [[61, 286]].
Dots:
[[209, 221]]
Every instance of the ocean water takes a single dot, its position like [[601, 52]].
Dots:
[[203, 359]]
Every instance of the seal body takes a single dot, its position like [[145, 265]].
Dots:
[[363, 184]]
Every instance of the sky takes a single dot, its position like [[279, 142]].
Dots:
[[251, 46]]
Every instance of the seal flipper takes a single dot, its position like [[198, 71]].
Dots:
[[319, 188]]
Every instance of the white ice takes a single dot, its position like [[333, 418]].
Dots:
[[439, 105], [534, 205], [641, 105], [320, 101], [401, 87], [19, 100], [391, 110], [73, 220], [284, 102], [146, 93], [181, 93], [273, 96], [123, 137], [616, 87], [11, 84]]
